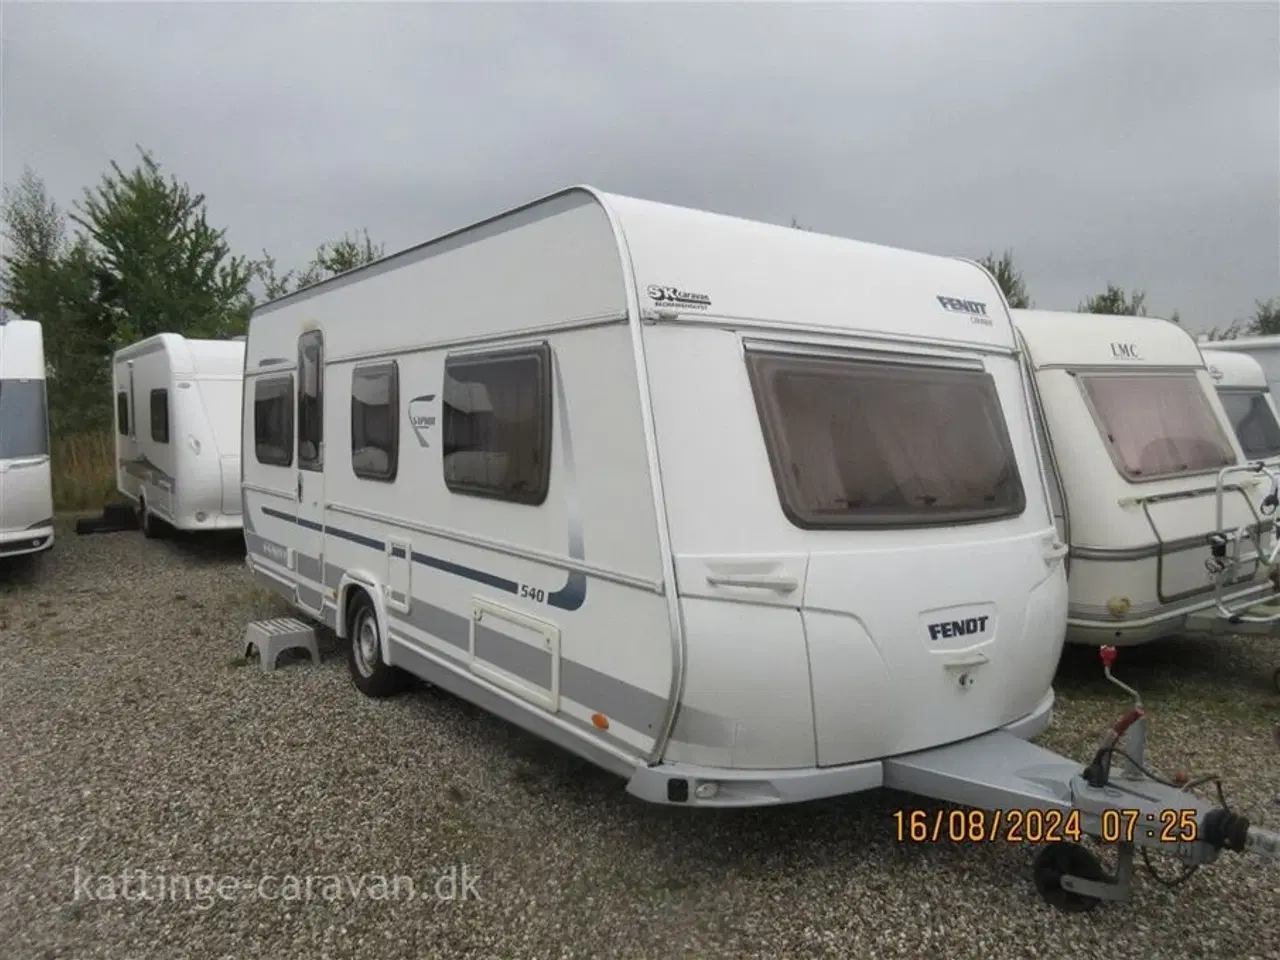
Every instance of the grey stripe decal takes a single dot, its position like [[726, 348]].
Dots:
[[628, 704], [308, 567], [146, 471]]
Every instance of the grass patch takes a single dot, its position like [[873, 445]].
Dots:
[[84, 472]]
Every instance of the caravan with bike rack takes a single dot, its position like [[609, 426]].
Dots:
[[745, 514], [1147, 474]]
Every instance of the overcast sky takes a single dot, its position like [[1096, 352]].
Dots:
[[1137, 143]]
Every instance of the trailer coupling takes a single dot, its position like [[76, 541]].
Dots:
[[1133, 809]]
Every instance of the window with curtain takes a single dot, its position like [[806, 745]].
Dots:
[[1158, 424], [860, 443], [497, 424]]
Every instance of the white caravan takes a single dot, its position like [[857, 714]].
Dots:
[[1137, 440], [1265, 349], [742, 513], [26, 482], [1246, 396], [178, 431]]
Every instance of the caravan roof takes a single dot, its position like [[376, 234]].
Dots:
[[191, 357], [1060, 338], [1230, 369], [696, 262]]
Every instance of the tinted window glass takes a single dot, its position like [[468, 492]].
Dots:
[[857, 443], [1159, 424]]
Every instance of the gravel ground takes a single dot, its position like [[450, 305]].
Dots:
[[133, 737]]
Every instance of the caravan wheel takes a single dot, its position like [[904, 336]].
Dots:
[[147, 522], [371, 674]]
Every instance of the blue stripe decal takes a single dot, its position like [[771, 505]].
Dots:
[[445, 566], [498, 583]]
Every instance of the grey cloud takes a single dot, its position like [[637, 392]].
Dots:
[[1137, 143]]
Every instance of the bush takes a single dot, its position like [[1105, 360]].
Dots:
[[84, 471]]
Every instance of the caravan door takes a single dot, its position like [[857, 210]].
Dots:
[[310, 491]]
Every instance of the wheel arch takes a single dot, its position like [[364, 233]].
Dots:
[[352, 583]]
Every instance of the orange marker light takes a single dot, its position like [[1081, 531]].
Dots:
[[600, 720]]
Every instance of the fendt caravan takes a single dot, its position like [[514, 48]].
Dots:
[[26, 481], [177, 407], [742, 513], [1246, 396], [1139, 442]]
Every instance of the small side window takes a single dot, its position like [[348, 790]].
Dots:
[[273, 421], [122, 413], [311, 400], [160, 416], [497, 424], [375, 421]]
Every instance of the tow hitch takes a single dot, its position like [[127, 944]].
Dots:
[[1117, 809], [1132, 807]]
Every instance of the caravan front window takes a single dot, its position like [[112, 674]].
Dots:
[[856, 443], [1157, 424], [24, 424], [1254, 422]]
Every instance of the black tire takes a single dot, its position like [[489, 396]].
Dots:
[[1275, 680], [369, 672], [1057, 859], [152, 527]]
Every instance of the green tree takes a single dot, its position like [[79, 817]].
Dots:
[[160, 266], [50, 277], [331, 259], [1009, 279], [1266, 317], [1116, 302]]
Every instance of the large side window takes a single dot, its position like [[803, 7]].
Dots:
[[855, 443], [497, 424], [311, 400], [273, 420], [375, 421], [160, 415], [1157, 424], [122, 413]]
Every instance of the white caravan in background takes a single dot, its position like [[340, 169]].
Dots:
[[1246, 396], [699, 498], [1137, 439], [177, 405], [1265, 349], [26, 481]]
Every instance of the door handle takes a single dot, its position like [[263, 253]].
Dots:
[[963, 662], [759, 581], [299, 486]]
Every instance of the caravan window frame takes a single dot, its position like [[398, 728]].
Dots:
[[163, 394], [122, 413], [309, 409], [1084, 377], [287, 396], [762, 362], [390, 369], [1257, 395], [535, 494]]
